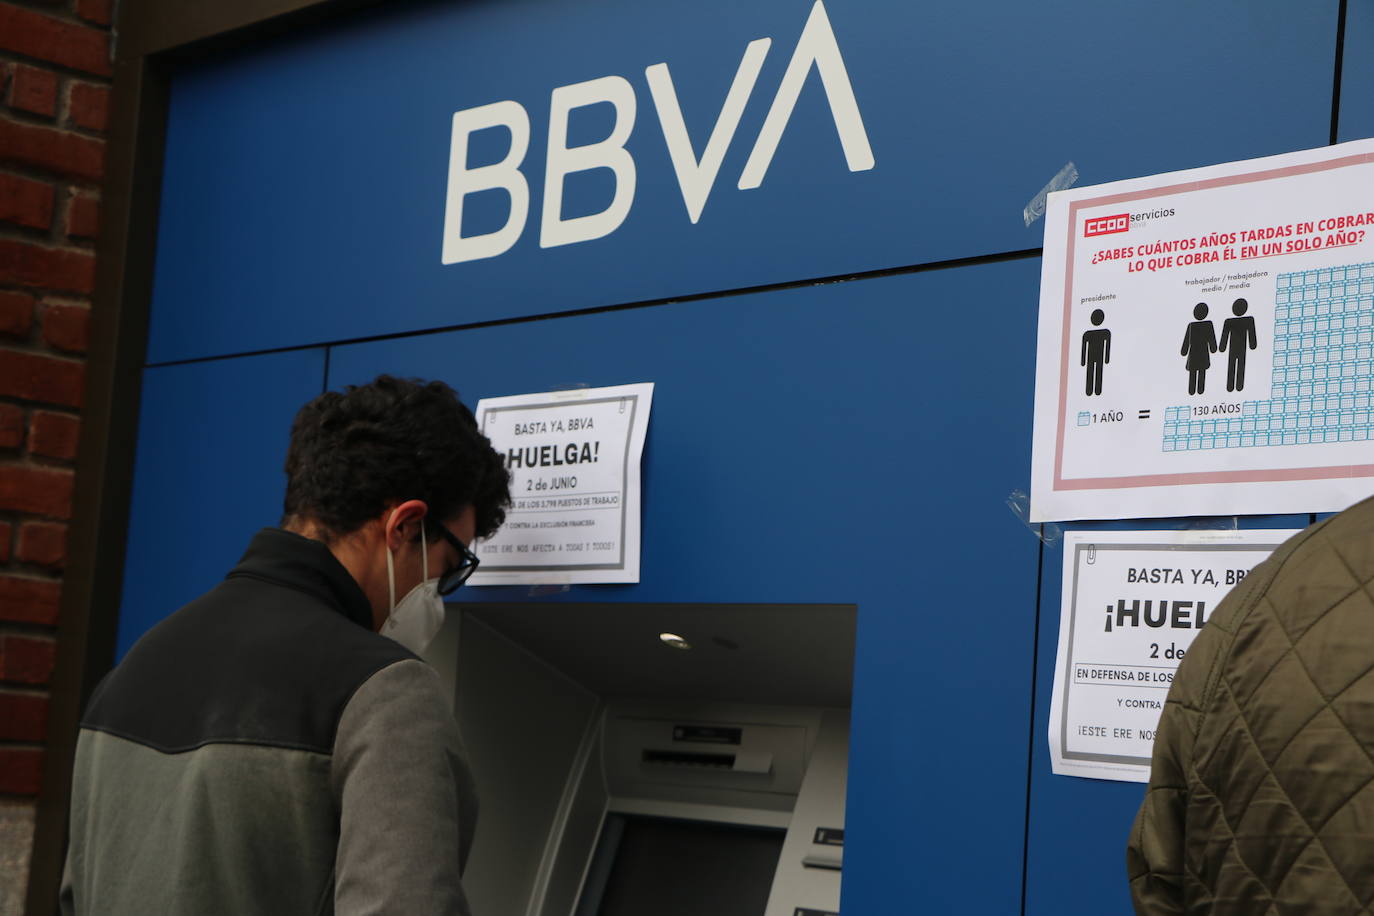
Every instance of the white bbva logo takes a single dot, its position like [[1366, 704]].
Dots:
[[695, 175]]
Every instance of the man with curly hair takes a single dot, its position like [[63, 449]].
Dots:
[[277, 745]]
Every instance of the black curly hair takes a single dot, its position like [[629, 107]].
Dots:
[[354, 452]]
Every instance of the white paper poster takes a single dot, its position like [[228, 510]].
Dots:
[[574, 461], [1133, 602], [1206, 342]]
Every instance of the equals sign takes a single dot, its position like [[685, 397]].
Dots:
[[1145, 414]]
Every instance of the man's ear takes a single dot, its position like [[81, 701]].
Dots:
[[401, 523]]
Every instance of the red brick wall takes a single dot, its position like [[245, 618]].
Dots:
[[54, 99]]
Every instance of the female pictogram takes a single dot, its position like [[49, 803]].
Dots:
[[1199, 343]]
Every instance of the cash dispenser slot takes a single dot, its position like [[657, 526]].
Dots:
[[759, 762], [689, 759]]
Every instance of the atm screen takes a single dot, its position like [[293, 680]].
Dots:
[[647, 866]]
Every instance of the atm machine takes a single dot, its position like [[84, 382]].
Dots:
[[653, 760]]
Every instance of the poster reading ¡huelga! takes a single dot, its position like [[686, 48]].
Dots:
[[1133, 602], [573, 458]]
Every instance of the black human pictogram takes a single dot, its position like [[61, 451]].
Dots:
[[1199, 343], [1237, 339], [1096, 352]]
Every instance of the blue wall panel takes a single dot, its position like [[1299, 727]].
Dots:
[[1076, 841], [836, 444], [211, 444], [305, 181], [1357, 80]]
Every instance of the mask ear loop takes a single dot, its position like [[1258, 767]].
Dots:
[[390, 583], [424, 553], [391, 571]]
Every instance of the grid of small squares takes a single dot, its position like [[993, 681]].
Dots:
[[1282, 421], [1323, 375]]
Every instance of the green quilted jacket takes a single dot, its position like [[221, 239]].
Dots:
[[1261, 795]]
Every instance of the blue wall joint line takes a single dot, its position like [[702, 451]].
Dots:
[[1030, 740], [1223, 523], [1342, 16], [542, 591], [1061, 181], [1019, 504]]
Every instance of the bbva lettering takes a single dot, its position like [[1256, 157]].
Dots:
[[695, 175]]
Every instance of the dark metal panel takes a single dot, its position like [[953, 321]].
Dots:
[[775, 654], [119, 323]]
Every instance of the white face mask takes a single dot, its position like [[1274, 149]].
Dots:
[[417, 619]]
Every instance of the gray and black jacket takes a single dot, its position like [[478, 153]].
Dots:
[[263, 751]]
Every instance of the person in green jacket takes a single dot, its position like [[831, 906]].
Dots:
[[1261, 794]]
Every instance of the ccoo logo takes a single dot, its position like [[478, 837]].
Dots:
[[1106, 225], [696, 175]]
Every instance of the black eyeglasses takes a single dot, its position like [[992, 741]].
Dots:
[[457, 575]]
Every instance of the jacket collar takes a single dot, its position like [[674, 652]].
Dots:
[[308, 565]]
